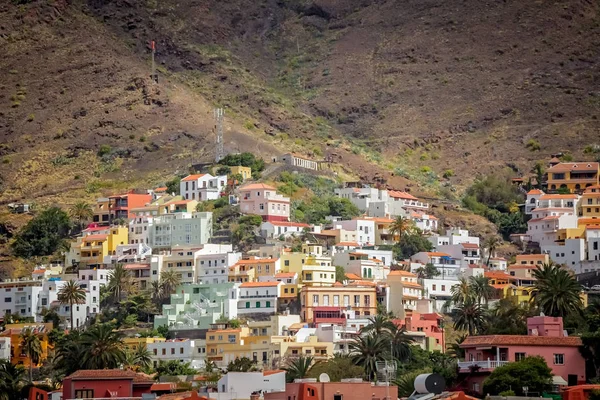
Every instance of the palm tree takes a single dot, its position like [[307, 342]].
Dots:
[[71, 293], [400, 227], [138, 358], [455, 350], [401, 343], [11, 380], [367, 351], [379, 324], [469, 316], [31, 345], [156, 292], [461, 291], [298, 367], [120, 282], [481, 289], [491, 244], [169, 279], [81, 212], [556, 292], [103, 348], [68, 353]]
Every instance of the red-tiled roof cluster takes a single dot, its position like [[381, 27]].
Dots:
[[520, 340]]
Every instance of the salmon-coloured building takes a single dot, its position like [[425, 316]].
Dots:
[[430, 324], [108, 209], [263, 200], [334, 391], [545, 337], [105, 383]]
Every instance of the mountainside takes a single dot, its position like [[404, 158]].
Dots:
[[411, 87]]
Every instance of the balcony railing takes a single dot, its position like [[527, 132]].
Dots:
[[257, 296], [487, 364]]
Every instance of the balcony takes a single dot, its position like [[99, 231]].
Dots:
[[259, 296], [487, 364]]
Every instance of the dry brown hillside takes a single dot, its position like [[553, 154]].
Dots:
[[417, 87]]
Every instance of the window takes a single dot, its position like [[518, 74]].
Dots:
[[346, 300], [326, 300], [258, 304], [268, 304], [247, 304], [8, 299], [433, 287], [559, 359], [443, 288], [181, 350], [315, 299], [519, 356], [84, 394], [164, 352], [172, 351]]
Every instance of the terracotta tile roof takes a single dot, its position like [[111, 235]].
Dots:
[[178, 202], [286, 275], [41, 271], [531, 257], [584, 221], [522, 340], [163, 387], [161, 189], [412, 284], [192, 177], [259, 284], [497, 275], [376, 219], [275, 371], [136, 266], [401, 195], [286, 223], [579, 166], [96, 228], [356, 253], [535, 191], [179, 396], [592, 227], [558, 197], [524, 266], [92, 238], [500, 286], [108, 374], [402, 273], [338, 284], [328, 232], [353, 277], [469, 246], [347, 244], [437, 254], [255, 186]]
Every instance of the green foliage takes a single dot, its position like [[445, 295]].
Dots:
[[245, 160], [533, 145], [567, 157], [507, 393], [298, 368], [339, 367], [429, 271], [495, 191], [448, 173], [104, 150], [223, 170], [243, 364], [563, 190], [557, 292], [173, 186], [43, 234], [315, 210], [531, 372], [174, 368], [340, 274], [12, 378], [410, 245]]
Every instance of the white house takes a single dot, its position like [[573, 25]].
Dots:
[[447, 266], [240, 385], [439, 290], [570, 253], [453, 236], [202, 187], [213, 267], [172, 350], [5, 348], [297, 160], [546, 222], [592, 236], [129, 253], [360, 264], [274, 229], [258, 297], [425, 222], [533, 200], [382, 203], [48, 298], [364, 228], [19, 296], [466, 253]]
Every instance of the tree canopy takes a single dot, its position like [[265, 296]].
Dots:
[[531, 372], [43, 234]]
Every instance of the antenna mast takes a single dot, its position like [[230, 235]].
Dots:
[[153, 75], [219, 153]]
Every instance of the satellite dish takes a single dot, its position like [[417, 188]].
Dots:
[[324, 378]]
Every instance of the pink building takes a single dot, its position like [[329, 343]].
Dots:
[[430, 324], [334, 391], [545, 337], [263, 200]]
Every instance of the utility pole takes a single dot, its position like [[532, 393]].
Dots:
[[153, 74], [219, 152]]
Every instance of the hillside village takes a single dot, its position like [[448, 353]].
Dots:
[[212, 277]]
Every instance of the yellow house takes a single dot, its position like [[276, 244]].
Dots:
[[289, 288], [249, 270], [360, 297], [573, 176], [245, 172], [17, 354], [97, 243], [175, 206], [285, 347], [132, 342], [589, 204], [227, 344]]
